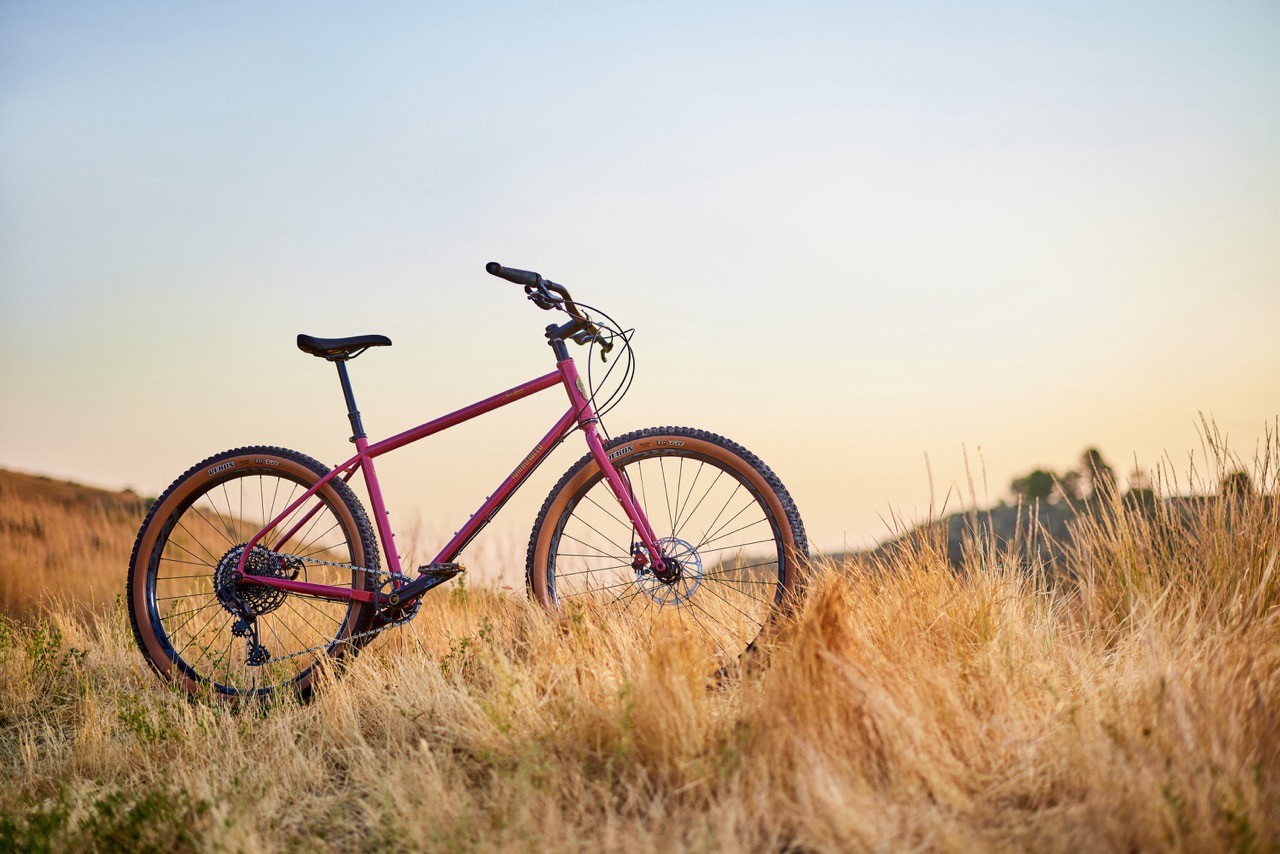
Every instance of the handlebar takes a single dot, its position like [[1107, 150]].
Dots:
[[528, 278], [540, 291]]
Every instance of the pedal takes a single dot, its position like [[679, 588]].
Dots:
[[431, 575], [442, 571]]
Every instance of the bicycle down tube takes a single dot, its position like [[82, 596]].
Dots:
[[580, 414]]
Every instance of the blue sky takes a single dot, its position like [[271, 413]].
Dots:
[[849, 235]]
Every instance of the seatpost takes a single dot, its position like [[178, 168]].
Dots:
[[357, 428]]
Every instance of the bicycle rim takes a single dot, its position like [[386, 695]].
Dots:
[[198, 543]]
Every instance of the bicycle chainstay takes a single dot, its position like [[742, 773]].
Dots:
[[387, 624]]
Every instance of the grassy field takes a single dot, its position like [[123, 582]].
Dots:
[[1132, 703], [62, 546]]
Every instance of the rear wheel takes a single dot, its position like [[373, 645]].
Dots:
[[729, 533], [194, 622]]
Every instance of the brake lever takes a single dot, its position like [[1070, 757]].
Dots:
[[584, 337], [541, 297]]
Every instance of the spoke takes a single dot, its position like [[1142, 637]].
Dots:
[[288, 627], [181, 596], [731, 582], [589, 546], [193, 554], [219, 531], [310, 625], [717, 620], [286, 524], [197, 541], [587, 524], [185, 563], [204, 649], [590, 590], [666, 492], [262, 501], [696, 507], [605, 511], [283, 645], [319, 549], [207, 575], [230, 515], [723, 570], [693, 616], [736, 546], [712, 536], [338, 622], [718, 515], [623, 599], [226, 662], [648, 603], [692, 485], [755, 600], [593, 569], [679, 482], [315, 520], [184, 613], [714, 592], [275, 492], [736, 530], [196, 634]]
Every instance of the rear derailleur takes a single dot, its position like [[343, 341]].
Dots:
[[256, 654]]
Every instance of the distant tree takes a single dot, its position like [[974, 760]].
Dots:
[[1097, 474], [1069, 486], [1033, 487], [1139, 480], [1236, 484]]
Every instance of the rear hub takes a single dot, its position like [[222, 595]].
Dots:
[[255, 598]]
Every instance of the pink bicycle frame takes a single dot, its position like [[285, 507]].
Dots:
[[580, 414]]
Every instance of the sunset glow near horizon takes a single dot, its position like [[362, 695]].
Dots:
[[850, 237]]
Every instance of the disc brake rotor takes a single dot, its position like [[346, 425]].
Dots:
[[680, 586]]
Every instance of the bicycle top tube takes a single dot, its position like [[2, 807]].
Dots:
[[581, 414]]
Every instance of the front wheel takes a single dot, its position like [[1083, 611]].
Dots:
[[729, 532]]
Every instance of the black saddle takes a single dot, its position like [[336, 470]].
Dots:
[[337, 349]]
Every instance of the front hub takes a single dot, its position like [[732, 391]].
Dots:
[[680, 576]]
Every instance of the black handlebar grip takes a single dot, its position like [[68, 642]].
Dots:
[[519, 277]]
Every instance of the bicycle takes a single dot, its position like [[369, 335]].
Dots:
[[259, 566]]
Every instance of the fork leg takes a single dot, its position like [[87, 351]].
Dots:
[[622, 491]]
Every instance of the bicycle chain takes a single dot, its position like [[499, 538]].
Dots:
[[378, 573]]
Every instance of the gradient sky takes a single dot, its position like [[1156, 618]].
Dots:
[[850, 235]]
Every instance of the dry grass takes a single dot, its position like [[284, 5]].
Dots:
[[1133, 706], [62, 545]]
